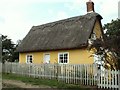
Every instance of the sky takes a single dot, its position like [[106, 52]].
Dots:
[[18, 16]]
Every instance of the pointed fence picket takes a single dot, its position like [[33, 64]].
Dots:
[[109, 79]]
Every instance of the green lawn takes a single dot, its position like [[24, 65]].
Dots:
[[37, 81]]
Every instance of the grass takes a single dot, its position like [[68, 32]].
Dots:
[[38, 81]]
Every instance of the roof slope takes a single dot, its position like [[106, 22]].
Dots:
[[64, 34]]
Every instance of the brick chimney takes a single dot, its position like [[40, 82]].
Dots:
[[90, 6]]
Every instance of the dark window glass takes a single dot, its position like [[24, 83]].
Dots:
[[61, 61], [65, 55], [63, 58], [65, 61]]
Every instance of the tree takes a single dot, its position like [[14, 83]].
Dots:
[[113, 38], [103, 56], [108, 48], [16, 54], [8, 50], [113, 28], [18, 43]]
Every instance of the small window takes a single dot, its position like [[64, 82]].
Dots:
[[47, 58], [29, 59], [93, 36], [63, 58]]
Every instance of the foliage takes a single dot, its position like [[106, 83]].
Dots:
[[105, 57], [108, 48], [8, 50], [113, 28], [112, 39]]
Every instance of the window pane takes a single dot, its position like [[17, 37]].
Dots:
[[65, 55], [65, 61], [29, 58], [65, 58], [61, 61], [30, 61], [61, 58], [61, 55]]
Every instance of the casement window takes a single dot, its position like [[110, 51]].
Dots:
[[29, 58], [63, 58]]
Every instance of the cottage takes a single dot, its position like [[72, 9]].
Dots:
[[64, 41]]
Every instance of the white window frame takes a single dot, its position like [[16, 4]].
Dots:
[[44, 57], [27, 58], [63, 57]]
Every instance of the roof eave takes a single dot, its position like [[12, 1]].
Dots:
[[83, 46]]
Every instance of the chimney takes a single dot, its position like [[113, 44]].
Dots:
[[90, 6]]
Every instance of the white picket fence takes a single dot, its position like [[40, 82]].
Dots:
[[68, 73], [109, 79]]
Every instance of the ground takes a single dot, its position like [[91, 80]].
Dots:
[[24, 82], [17, 82], [20, 84]]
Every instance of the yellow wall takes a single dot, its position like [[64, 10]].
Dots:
[[79, 56], [97, 29]]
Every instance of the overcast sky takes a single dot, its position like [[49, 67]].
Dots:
[[18, 16]]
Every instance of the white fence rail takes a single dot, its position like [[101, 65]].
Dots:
[[109, 79], [68, 73]]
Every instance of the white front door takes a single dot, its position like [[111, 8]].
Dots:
[[47, 58]]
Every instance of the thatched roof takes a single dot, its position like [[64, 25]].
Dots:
[[69, 33]]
